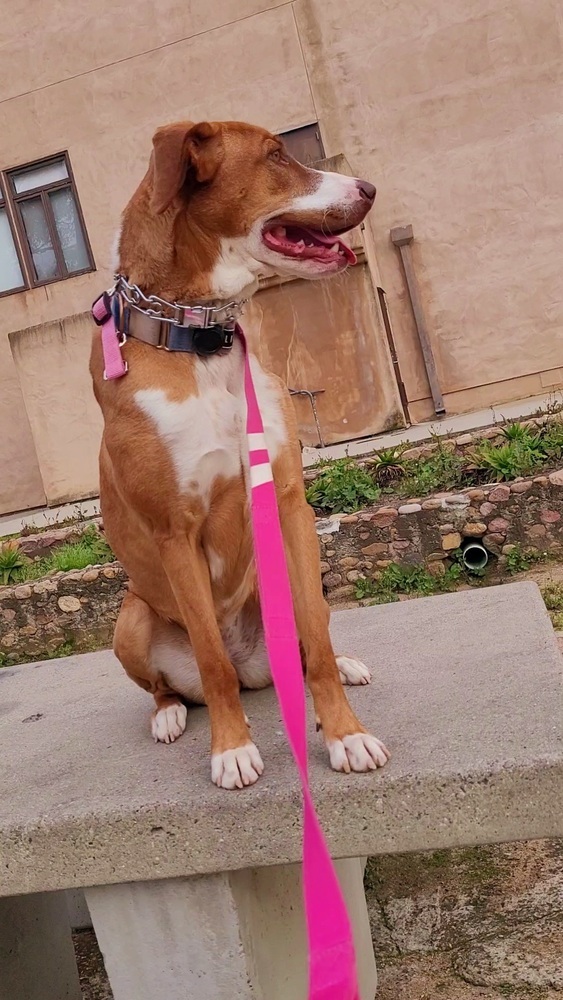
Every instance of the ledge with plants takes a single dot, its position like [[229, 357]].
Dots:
[[404, 520], [395, 524]]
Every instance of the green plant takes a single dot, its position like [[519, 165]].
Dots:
[[409, 580], [367, 589], [342, 487], [552, 437], [444, 469], [552, 594], [12, 560], [519, 560], [515, 431], [90, 549], [387, 465], [507, 461]]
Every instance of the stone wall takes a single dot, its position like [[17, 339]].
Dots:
[[527, 512], [80, 608], [495, 914], [76, 609]]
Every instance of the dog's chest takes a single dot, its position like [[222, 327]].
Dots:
[[205, 435]]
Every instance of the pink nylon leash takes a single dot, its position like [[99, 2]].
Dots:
[[332, 960]]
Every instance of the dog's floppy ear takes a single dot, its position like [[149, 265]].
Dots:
[[177, 149]]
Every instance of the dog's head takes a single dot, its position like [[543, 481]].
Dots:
[[231, 199]]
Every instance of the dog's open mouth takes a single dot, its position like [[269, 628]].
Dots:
[[301, 243]]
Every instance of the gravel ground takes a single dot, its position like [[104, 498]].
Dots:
[[430, 977], [93, 980], [426, 977]]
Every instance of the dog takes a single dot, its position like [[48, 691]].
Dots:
[[221, 204]]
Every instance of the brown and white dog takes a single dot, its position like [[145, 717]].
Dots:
[[221, 204]]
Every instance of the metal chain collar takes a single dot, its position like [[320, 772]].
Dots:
[[193, 315]]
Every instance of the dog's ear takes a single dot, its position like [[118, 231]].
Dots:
[[180, 148]]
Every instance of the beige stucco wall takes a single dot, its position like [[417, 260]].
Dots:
[[52, 365], [452, 108], [20, 479], [222, 65]]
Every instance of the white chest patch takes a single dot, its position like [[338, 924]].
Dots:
[[205, 434]]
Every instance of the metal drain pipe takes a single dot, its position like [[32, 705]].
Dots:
[[402, 237], [475, 556]]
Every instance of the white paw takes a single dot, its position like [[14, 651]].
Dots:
[[352, 671], [167, 724], [236, 768], [360, 752]]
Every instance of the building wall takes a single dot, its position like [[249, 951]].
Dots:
[[452, 108]]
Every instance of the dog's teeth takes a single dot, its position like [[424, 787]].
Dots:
[[335, 247], [301, 244]]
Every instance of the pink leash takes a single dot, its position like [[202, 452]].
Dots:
[[332, 963], [332, 960]]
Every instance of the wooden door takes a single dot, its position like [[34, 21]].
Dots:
[[325, 337]]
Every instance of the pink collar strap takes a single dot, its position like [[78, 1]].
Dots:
[[115, 365], [332, 961]]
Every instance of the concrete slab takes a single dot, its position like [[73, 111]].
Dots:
[[466, 693]]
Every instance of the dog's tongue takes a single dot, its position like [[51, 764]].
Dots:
[[329, 241], [308, 244]]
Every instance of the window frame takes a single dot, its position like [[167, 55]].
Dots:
[[7, 208], [303, 129], [12, 201]]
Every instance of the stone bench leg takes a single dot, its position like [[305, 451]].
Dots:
[[37, 960], [232, 936]]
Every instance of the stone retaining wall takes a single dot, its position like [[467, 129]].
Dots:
[[527, 512], [77, 609], [80, 608]]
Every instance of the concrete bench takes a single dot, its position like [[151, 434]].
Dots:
[[195, 892]]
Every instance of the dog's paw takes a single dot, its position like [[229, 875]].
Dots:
[[352, 671], [167, 724], [237, 768], [360, 752]]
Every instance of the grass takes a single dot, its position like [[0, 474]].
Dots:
[[414, 581], [519, 560], [444, 469], [552, 594], [90, 550], [343, 486]]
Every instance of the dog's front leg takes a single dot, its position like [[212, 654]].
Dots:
[[235, 760], [350, 747]]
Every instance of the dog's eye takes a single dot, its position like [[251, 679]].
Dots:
[[277, 156]]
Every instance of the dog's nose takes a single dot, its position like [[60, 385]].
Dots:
[[367, 191]]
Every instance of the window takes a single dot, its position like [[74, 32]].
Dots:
[[11, 274], [42, 233], [305, 144]]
